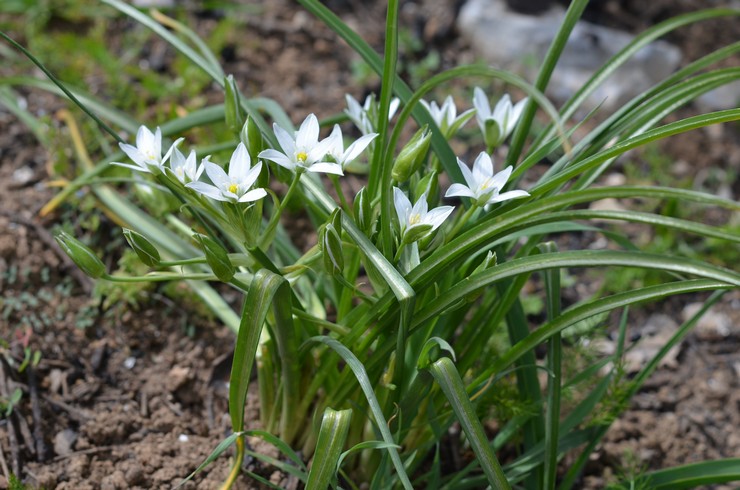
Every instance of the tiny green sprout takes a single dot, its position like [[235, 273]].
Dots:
[[147, 253], [217, 257], [412, 155], [81, 255]]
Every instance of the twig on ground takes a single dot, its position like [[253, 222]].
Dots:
[[15, 452], [42, 451]]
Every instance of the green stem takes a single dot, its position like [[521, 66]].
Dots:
[[159, 278], [236, 466], [460, 221], [338, 188], [275, 219]]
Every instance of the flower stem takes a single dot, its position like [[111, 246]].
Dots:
[[159, 277], [237, 466], [275, 219], [460, 221], [338, 188]]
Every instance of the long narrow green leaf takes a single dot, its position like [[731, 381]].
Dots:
[[554, 365], [218, 451], [591, 308], [574, 12], [367, 388], [332, 437], [693, 475], [448, 378], [579, 258], [661, 132], [166, 35]]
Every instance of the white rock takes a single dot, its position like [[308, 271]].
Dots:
[[518, 42]]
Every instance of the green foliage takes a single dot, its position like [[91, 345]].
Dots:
[[366, 319]]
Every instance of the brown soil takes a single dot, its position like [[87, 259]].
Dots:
[[137, 399]]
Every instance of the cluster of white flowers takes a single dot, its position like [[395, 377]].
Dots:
[[303, 151]]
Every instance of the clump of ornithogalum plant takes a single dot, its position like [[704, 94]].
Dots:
[[382, 337]]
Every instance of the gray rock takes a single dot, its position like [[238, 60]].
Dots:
[[64, 442], [518, 42]]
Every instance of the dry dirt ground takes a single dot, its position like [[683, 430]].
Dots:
[[136, 399]]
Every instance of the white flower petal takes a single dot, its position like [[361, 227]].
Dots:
[[287, 143], [420, 207], [240, 163], [336, 143], [499, 180], [206, 190], [326, 167], [157, 143], [308, 133], [508, 195], [357, 147], [216, 174], [459, 190], [482, 168], [251, 176], [279, 158], [132, 167], [402, 205], [171, 148], [253, 195], [437, 216], [134, 154], [481, 104]]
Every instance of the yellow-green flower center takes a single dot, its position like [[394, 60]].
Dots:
[[414, 219], [233, 188], [301, 156]]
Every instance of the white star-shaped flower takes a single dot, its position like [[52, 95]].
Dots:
[[147, 154], [302, 151], [185, 169], [497, 125], [336, 146], [484, 187], [364, 116], [237, 185], [446, 115], [418, 221]]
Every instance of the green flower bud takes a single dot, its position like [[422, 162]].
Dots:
[[428, 184], [416, 232], [251, 136], [412, 155], [144, 249], [232, 107], [81, 255], [336, 220], [493, 136], [216, 257], [330, 243], [363, 212]]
